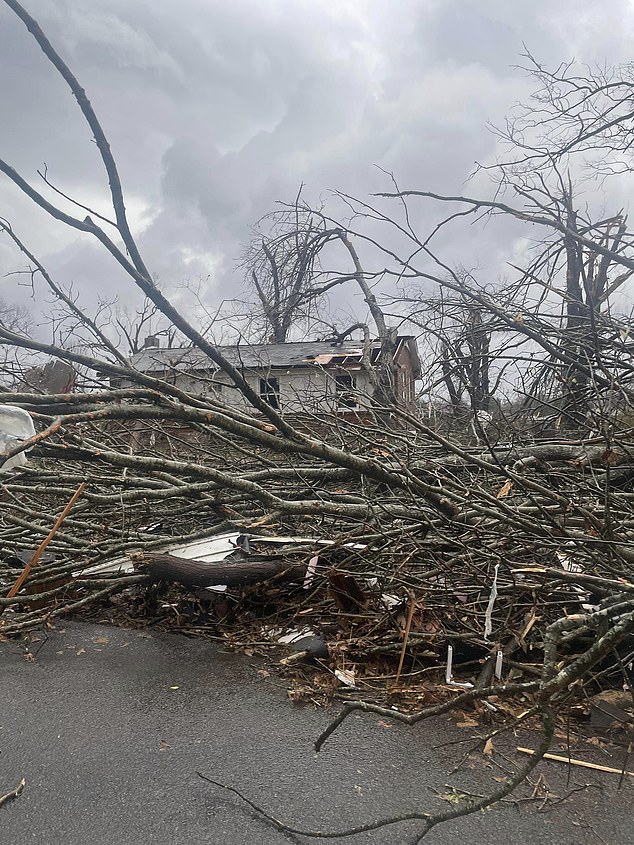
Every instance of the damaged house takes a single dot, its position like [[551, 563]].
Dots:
[[312, 377]]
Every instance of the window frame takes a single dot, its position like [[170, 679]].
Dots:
[[345, 391], [269, 391]]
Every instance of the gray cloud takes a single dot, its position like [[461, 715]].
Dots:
[[217, 109]]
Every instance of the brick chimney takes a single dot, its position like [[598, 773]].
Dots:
[[152, 341]]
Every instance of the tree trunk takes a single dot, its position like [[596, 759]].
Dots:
[[198, 573]]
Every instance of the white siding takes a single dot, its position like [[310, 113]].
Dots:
[[311, 389]]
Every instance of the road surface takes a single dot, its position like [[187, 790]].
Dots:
[[110, 727]]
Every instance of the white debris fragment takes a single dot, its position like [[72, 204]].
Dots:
[[449, 667], [346, 676], [296, 634], [567, 562], [16, 426], [488, 613], [499, 658], [390, 601], [310, 571]]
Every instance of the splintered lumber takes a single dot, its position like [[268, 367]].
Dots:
[[199, 573], [571, 761], [15, 589]]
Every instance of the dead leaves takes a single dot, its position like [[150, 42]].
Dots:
[[101, 640], [345, 591], [505, 489], [454, 796], [610, 457]]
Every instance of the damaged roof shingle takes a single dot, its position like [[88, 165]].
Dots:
[[256, 357]]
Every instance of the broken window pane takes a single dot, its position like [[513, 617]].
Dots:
[[345, 385], [270, 391]]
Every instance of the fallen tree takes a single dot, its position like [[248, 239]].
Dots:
[[502, 561]]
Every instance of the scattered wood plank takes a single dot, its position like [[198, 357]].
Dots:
[[571, 761], [15, 589]]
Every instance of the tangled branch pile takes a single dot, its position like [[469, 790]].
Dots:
[[479, 548], [495, 517]]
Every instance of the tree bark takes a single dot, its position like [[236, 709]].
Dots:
[[198, 573]]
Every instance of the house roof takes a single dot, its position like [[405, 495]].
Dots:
[[266, 356]]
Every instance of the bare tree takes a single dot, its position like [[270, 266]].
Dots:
[[290, 271], [406, 510], [282, 267], [15, 317]]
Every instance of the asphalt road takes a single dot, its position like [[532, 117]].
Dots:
[[109, 728]]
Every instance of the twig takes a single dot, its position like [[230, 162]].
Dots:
[[15, 589], [319, 834], [14, 793], [430, 820], [425, 713], [408, 625]]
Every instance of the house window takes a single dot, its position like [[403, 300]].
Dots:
[[270, 391], [404, 386], [345, 385]]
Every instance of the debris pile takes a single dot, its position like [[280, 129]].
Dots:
[[413, 600]]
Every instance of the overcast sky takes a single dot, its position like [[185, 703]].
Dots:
[[215, 109]]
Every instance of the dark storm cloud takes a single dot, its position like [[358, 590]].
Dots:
[[215, 110]]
